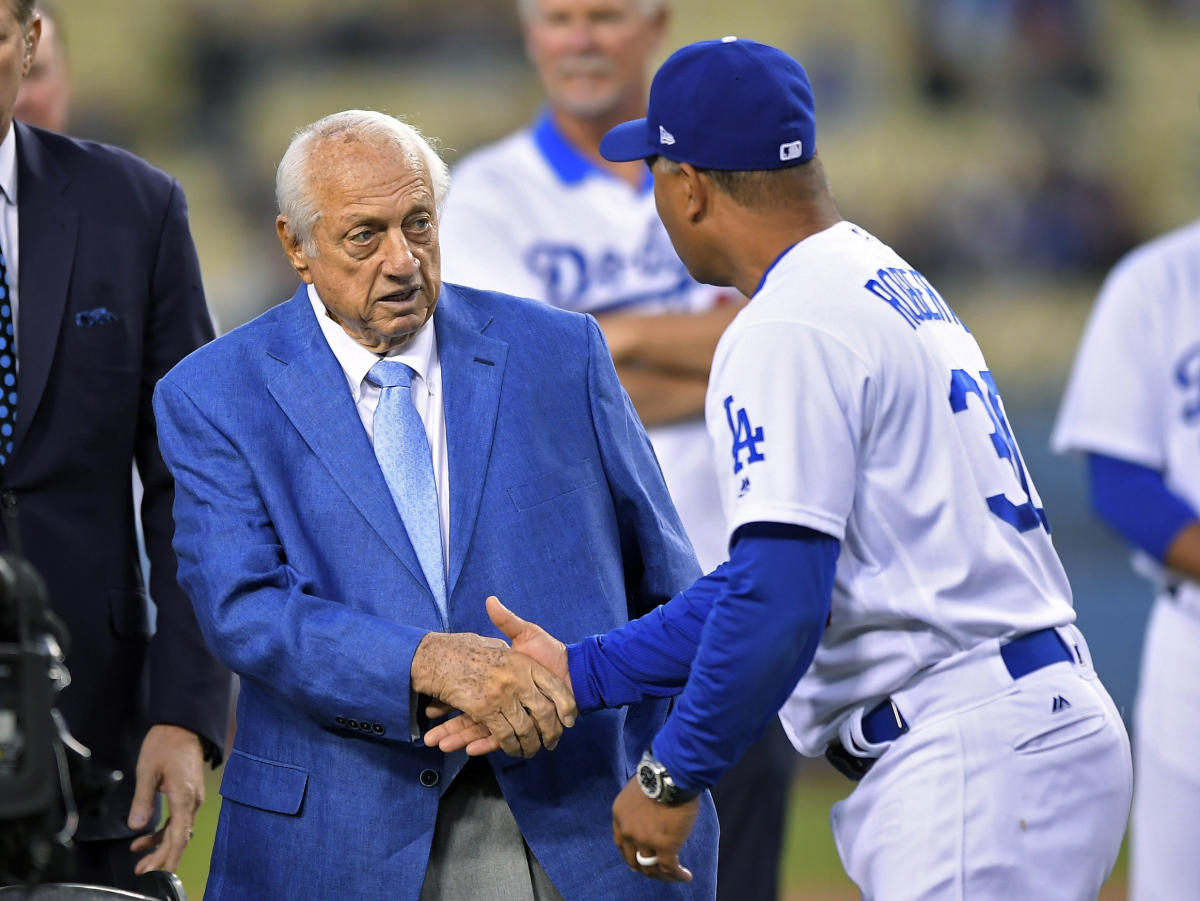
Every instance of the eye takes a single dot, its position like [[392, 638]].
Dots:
[[420, 225], [362, 236]]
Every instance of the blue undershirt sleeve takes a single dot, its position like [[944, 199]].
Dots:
[[760, 637], [1136, 502]]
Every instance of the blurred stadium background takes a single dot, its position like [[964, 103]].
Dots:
[[1010, 149]]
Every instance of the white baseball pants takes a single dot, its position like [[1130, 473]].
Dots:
[[1002, 789]]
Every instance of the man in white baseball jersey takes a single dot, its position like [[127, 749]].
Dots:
[[1133, 407], [542, 214], [892, 590]]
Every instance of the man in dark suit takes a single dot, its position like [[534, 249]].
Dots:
[[102, 294], [346, 593]]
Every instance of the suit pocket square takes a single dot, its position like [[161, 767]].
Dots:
[[97, 316]]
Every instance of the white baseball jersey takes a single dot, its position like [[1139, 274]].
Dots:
[[1134, 391], [847, 397], [529, 216]]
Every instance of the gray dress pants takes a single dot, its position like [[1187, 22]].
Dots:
[[478, 853]]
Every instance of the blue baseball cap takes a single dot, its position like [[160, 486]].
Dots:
[[728, 104]]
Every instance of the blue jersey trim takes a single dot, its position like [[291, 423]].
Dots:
[[569, 164], [774, 263]]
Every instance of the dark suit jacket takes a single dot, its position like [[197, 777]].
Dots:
[[306, 584], [110, 299]]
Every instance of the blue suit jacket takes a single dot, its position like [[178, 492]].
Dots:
[[305, 583], [110, 299]]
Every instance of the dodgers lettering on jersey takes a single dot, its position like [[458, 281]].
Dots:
[[849, 398], [1187, 376], [606, 278]]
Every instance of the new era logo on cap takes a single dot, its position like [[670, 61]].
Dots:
[[728, 104]]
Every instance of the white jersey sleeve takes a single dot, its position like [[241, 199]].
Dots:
[[771, 472], [1111, 405]]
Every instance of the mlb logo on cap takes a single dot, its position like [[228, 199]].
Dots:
[[729, 104]]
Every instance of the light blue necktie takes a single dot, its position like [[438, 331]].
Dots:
[[402, 449]]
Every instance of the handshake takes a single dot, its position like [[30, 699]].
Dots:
[[516, 699]]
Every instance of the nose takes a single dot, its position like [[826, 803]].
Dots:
[[400, 262], [579, 36]]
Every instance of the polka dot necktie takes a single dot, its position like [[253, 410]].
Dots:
[[402, 449], [8, 368]]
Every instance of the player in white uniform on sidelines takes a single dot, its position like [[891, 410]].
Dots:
[[1133, 406], [891, 583], [541, 214]]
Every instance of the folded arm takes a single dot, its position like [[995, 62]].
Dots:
[[663, 359]]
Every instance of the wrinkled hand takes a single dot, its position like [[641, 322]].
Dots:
[[654, 829], [171, 761], [528, 639], [522, 705]]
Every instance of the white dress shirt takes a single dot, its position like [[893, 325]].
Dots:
[[421, 354]]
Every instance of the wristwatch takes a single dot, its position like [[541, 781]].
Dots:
[[657, 784]]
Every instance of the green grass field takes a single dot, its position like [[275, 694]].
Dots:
[[811, 871]]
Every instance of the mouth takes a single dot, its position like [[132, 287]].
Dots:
[[585, 67], [405, 296]]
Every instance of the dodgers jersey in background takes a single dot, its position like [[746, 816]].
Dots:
[[891, 437], [530, 216], [1143, 341]]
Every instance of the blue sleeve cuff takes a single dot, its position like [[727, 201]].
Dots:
[[587, 697], [1136, 502]]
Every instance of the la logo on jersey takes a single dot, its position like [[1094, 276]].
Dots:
[[745, 437]]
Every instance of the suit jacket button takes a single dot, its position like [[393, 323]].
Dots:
[[9, 499], [429, 778], [377, 728], [341, 720]]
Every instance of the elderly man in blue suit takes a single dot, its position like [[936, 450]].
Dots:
[[338, 561]]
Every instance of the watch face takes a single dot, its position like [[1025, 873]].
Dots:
[[650, 779]]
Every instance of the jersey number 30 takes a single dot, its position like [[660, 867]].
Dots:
[[1023, 516]]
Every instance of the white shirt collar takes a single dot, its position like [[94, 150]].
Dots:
[[8, 165], [356, 361]]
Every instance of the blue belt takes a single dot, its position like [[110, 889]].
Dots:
[[884, 722]]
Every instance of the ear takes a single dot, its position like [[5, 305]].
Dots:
[[33, 36], [698, 192], [293, 249], [660, 23]]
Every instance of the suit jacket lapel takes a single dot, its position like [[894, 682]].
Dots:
[[48, 225], [472, 373], [329, 423]]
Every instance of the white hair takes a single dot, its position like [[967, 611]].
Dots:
[[526, 9], [293, 181]]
